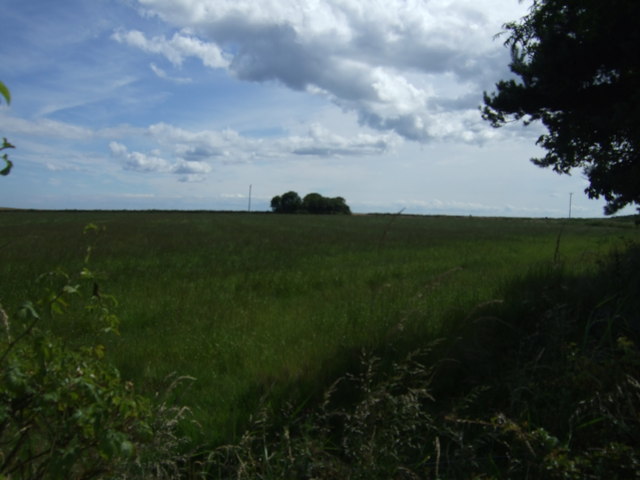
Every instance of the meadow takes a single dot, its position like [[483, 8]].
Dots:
[[261, 309]]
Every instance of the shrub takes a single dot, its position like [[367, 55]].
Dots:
[[65, 411]]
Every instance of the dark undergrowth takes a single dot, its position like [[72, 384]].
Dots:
[[542, 383]]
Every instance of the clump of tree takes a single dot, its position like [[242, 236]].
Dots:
[[577, 70], [313, 203], [289, 202]]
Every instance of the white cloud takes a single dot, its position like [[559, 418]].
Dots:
[[139, 162], [118, 149], [192, 151], [195, 150], [408, 66], [192, 178], [229, 146], [321, 142], [191, 168], [175, 49], [162, 74]]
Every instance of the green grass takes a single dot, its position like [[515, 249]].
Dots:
[[262, 308], [543, 384]]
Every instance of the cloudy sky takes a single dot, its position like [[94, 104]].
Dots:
[[184, 104]]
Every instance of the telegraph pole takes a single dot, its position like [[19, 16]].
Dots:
[[250, 198], [570, 196]]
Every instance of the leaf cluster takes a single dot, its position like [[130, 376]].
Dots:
[[65, 411], [62, 409], [4, 91]]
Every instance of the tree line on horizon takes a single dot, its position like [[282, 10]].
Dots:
[[314, 203]]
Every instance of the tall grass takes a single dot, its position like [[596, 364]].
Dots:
[[542, 384], [262, 308]]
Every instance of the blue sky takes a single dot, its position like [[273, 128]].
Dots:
[[183, 104]]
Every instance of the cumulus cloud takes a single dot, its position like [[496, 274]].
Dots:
[[195, 151], [191, 171], [408, 66], [188, 171], [321, 142], [137, 161], [230, 146], [191, 168], [175, 49]]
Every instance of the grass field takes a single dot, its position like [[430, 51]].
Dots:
[[259, 308]]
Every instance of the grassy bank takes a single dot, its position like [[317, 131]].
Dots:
[[262, 308]]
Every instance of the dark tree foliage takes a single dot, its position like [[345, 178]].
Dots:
[[577, 64], [316, 203], [276, 203], [289, 202], [313, 203], [339, 205]]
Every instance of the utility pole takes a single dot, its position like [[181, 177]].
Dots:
[[250, 197], [570, 196]]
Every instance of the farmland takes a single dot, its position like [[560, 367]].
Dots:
[[260, 308]]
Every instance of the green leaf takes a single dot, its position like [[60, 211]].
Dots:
[[86, 273], [5, 171], [126, 448], [59, 306], [71, 289], [4, 91], [28, 311], [8, 163], [98, 350]]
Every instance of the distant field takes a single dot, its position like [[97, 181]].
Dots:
[[264, 306]]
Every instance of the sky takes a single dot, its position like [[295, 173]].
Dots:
[[200, 104]]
